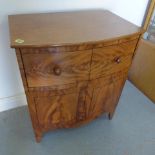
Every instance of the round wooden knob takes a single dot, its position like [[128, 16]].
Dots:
[[57, 70], [118, 60]]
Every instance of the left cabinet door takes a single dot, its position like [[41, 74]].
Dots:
[[60, 108]]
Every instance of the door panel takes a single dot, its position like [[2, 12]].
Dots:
[[61, 111], [103, 96]]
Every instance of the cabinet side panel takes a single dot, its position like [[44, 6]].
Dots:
[[21, 67], [31, 104]]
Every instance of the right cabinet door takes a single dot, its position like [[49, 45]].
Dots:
[[103, 95]]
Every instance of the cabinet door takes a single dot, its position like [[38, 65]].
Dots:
[[103, 95], [63, 110]]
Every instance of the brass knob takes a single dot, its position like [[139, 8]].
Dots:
[[117, 60], [57, 70]]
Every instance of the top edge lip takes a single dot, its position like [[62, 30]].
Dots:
[[140, 32]]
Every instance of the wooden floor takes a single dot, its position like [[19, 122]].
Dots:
[[142, 72]]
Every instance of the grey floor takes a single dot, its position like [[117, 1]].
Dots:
[[131, 132]]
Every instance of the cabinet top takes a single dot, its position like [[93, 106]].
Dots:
[[68, 28]]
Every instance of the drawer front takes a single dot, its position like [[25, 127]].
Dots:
[[59, 68], [112, 59]]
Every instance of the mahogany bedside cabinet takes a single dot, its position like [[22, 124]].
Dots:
[[73, 64]]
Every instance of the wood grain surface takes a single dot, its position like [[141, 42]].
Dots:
[[111, 59], [87, 102], [41, 69], [73, 65], [68, 28], [60, 111]]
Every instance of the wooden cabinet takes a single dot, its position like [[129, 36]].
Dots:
[[73, 68]]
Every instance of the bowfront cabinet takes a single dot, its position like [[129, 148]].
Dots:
[[73, 68]]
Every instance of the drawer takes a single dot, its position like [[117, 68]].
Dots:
[[56, 68], [112, 59]]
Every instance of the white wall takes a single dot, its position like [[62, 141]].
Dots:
[[132, 10], [11, 89]]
